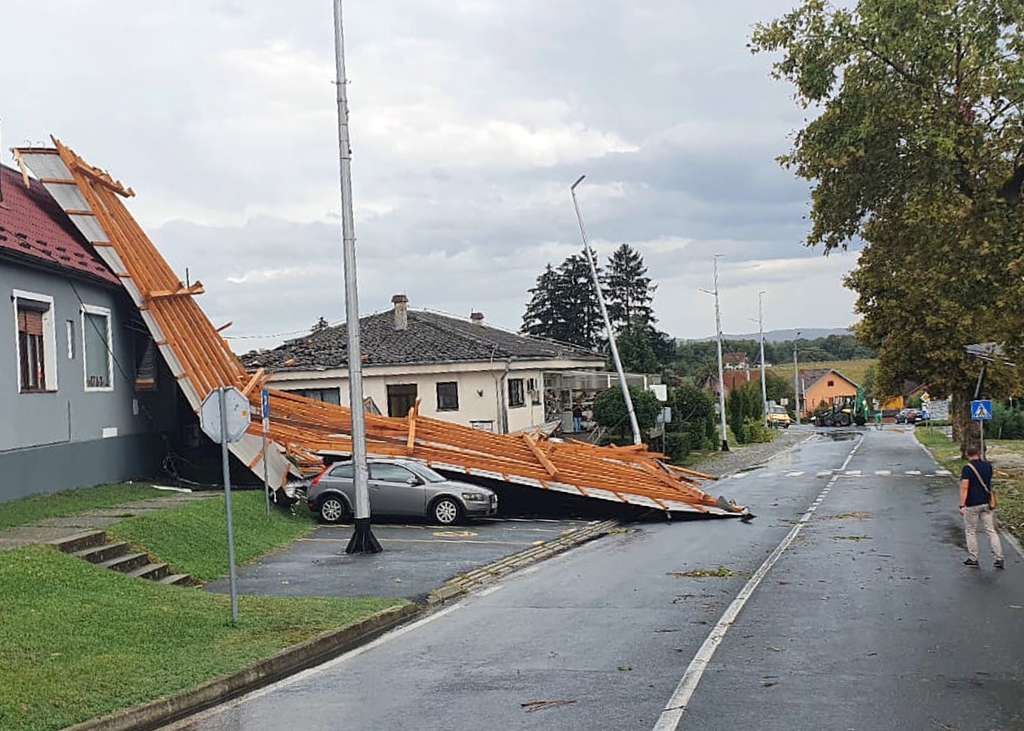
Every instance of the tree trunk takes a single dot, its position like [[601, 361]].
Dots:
[[965, 431]]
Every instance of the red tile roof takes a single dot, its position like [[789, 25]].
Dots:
[[33, 226]]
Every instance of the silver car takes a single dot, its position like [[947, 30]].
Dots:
[[399, 487]]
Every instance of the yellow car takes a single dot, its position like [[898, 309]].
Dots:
[[777, 417]]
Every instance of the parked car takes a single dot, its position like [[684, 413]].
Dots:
[[777, 417], [399, 487], [906, 416]]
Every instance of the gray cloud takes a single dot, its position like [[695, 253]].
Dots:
[[470, 118]]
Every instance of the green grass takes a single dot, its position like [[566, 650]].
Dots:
[[72, 502], [78, 641], [193, 539], [1006, 455], [852, 369]]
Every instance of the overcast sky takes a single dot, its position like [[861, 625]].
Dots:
[[470, 118]]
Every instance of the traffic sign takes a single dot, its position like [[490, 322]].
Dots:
[[265, 404], [237, 413], [981, 410]]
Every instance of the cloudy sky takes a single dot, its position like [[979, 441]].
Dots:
[[470, 118]]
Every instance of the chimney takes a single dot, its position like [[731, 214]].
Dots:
[[477, 318], [401, 303]]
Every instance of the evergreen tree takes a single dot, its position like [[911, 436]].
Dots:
[[543, 317], [629, 290], [636, 352], [577, 300]]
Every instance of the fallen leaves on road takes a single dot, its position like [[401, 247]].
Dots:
[[851, 538], [533, 706], [721, 572], [856, 515]]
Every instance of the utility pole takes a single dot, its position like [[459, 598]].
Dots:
[[796, 379], [363, 540], [604, 314], [760, 327], [721, 373]]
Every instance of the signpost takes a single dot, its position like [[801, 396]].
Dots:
[[981, 411], [265, 413], [224, 417]]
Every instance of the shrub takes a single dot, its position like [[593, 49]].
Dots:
[[755, 431], [677, 446], [610, 409]]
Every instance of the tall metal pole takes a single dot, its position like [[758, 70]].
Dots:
[[760, 327], [226, 460], [265, 422], [363, 540], [796, 379], [604, 314], [721, 373]]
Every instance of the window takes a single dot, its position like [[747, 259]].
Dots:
[[831, 384], [96, 347], [35, 345], [401, 399], [448, 396], [389, 472], [515, 393], [327, 395], [344, 471], [531, 387]]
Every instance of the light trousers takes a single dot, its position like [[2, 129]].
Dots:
[[972, 515]]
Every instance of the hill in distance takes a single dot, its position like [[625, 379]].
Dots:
[[778, 336]]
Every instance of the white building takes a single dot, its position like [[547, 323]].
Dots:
[[462, 371]]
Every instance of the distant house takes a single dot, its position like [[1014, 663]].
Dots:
[[823, 386], [461, 371], [72, 410], [735, 362]]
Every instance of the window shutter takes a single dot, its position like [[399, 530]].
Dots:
[[30, 322]]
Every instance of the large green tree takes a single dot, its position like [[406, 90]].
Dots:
[[918, 152], [629, 289], [563, 305]]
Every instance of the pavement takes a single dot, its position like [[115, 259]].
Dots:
[[417, 558], [742, 456], [843, 605]]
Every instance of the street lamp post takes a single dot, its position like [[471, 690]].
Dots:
[[363, 540], [721, 373], [760, 327], [604, 314], [796, 379]]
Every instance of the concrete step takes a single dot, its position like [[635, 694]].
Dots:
[[176, 580], [151, 571], [80, 541], [105, 552], [127, 563]]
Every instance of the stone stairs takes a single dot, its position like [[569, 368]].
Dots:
[[93, 546]]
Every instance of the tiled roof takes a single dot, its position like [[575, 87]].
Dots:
[[429, 338], [810, 376], [33, 226]]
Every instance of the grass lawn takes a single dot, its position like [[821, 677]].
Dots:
[[1006, 455], [71, 502], [78, 641], [192, 538], [852, 369]]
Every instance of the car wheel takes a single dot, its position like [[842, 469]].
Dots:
[[446, 511], [333, 509]]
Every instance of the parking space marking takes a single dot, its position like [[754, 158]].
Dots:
[[883, 473], [914, 472]]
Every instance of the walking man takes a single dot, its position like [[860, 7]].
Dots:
[[977, 503], [577, 418]]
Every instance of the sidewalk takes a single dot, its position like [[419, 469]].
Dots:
[[56, 529], [742, 456]]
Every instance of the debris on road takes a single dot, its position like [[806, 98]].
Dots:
[[534, 706], [303, 431], [720, 573]]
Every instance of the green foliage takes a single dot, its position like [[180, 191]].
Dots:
[[191, 538], [610, 409], [756, 432], [72, 502], [1006, 423], [700, 357], [742, 407], [635, 350], [80, 641], [918, 152], [563, 305], [693, 414], [629, 290], [677, 446]]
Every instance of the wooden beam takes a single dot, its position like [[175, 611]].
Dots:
[[410, 443], [225, 326], [541, 457], [196, 288], [256, 378]]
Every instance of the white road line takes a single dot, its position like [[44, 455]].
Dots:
[[793, 474], [853, 473], [915, 473], [943, 473], [883, 473], [672, 715], [824, 473], [740, 475]]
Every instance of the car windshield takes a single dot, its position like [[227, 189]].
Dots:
[[778, 410]]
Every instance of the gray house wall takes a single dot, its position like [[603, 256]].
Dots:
[[55, 440]]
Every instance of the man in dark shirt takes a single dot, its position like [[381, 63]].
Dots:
[[975, 495]]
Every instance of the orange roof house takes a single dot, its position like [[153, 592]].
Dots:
[[823, 386]]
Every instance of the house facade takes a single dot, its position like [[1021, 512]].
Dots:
[[71, 413], [824, 386], [461, 371]]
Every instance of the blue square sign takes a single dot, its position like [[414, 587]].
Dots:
[[981, 410]]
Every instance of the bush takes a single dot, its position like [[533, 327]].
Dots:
[[744, 406], [610, 409], [1006, 423], [677, 446], [756, 432]]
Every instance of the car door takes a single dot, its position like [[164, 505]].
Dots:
[[394, 490], [340, 478]]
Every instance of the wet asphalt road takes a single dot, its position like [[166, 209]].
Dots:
[[867, 621]]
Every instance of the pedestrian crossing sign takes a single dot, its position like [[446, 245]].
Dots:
[[981, 410]]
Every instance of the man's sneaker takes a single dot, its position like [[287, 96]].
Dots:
[[970, 562], [1000, 564]]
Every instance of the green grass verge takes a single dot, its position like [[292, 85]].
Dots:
[[78, 641], [192, 538], [1007, 456], [72, 502]]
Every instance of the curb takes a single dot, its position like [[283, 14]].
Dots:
[[790, 448], [287, 662], [467, 582]]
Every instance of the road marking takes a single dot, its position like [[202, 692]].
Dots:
[[425, 540], [672, 715], [914, 472], [853, 473], [793, 474], [824, 473], [883, 473], [943, 473], [741, 475]]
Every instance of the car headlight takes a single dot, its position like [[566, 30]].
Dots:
[[474, 497]]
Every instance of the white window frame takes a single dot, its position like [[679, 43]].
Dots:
[[104, 311], [49, 339]]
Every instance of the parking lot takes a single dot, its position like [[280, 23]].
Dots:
[[417, 558]]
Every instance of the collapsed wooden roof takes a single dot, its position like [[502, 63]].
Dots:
[[302, 429]]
